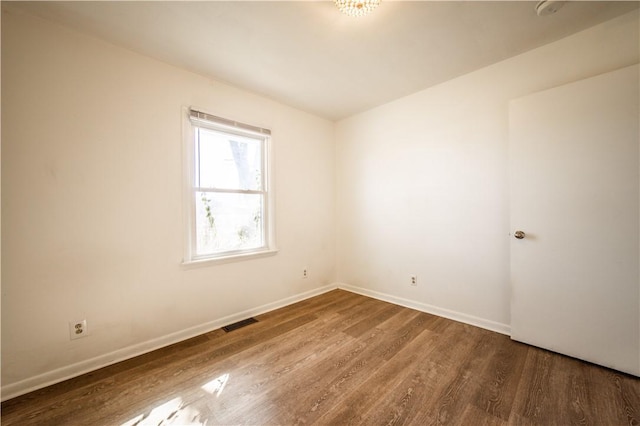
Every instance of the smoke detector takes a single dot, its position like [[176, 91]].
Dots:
[[548, 7]]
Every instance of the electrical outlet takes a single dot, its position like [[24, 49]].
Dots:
[[414, 280], [305, 273], [78, 329]]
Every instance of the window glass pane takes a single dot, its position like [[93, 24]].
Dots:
[[226, 161], [226, 222]]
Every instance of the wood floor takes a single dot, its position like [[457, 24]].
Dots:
[[336, 359]]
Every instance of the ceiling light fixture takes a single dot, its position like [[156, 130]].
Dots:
[[548, 7], [356, 7]]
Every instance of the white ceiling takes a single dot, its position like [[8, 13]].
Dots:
[[310, 56]]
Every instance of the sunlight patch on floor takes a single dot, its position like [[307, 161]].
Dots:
[[170, 413], [217, 385], [175, 412], [134, 421], [163, 412]]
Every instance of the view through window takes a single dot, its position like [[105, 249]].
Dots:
[[229, 188]]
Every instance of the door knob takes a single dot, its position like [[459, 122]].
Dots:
[[519, 234]]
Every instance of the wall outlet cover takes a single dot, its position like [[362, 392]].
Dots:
[[78, 329]]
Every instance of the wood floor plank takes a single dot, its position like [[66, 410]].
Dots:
[[258, 369], [461, 380], [376, 317], [532, 403], [569, 392], [578, 396], [629, 395], [408, 370], [289, 360], [394, 370], [473, 415], [222, 357], [345, 372], [614, 395], [408, 384], [501, 378], [340, 358]]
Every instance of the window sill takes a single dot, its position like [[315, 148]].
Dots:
[[200, 263]]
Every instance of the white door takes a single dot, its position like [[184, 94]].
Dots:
[[574, 188]]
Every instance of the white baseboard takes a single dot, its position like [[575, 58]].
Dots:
[[430, 309], [67, 372]]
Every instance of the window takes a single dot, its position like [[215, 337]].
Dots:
[[229, 194]]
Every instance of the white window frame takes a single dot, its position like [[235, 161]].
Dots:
[[192, 118]]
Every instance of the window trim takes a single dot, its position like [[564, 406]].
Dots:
[[189, 189]]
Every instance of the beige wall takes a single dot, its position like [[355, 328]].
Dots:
[[423, 181], [92, 204]]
